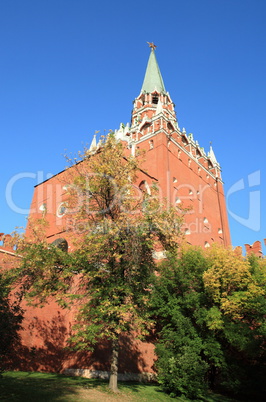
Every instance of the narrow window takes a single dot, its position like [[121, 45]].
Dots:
[[43, 207]]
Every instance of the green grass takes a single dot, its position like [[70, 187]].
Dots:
[[43, 387]]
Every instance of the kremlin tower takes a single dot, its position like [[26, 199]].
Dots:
[[183, 172]]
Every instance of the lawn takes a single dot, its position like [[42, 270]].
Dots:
[[43, 387]]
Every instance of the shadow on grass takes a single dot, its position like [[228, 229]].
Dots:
[[44, 387], [33, 387], [153, 391]]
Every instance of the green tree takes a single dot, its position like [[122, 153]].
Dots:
[[211, 310], [114, 228], [11, 317], [179, 305]]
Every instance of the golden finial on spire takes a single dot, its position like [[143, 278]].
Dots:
[[152, 45]]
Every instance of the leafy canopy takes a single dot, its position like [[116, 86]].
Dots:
[[210, 309], [115, 229]]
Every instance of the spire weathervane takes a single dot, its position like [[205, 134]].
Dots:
[[152, 45], [153, 79]]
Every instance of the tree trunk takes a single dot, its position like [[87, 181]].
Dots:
[[114, 366]]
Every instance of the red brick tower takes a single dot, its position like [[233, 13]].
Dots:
[[185, 173]]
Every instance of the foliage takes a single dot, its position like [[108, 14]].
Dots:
[[122, 226], [114, 228], [238, 292], [181, 372], [211, 310], [177, 304], [42, 272], [11, 317]]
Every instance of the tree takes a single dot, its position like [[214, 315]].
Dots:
[[179, 305], [237, 288], [11, 317], [114, 227], [211, 309]]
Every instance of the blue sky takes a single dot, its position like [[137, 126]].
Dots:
[[71, 67]]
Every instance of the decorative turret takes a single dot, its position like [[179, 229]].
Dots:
[[212, 156], [93, 146]]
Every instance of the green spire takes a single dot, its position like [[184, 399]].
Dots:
[[153, 79]]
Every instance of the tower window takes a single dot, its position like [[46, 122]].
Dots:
[[155, 100], [170, 126], [184, 140]]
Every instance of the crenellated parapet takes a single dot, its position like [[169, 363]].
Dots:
[[7, 244], [255, 248], [6, 239]]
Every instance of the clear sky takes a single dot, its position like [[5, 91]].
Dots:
[[71, 67]]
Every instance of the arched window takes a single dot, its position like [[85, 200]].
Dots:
[[144, 187], [61, 243], [155, 99]]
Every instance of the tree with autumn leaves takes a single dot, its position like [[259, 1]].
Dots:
[[115, 229]]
